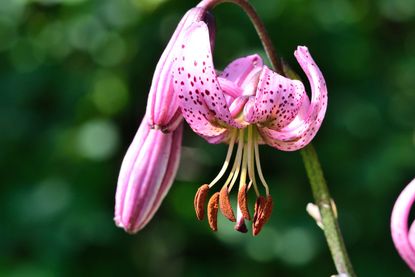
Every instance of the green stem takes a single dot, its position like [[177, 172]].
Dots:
[[259, 28], [314, 171], [324, 202]]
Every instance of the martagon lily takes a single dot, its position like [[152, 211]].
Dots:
[[245, 105]]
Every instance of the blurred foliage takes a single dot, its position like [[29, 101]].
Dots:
[[74, 76]]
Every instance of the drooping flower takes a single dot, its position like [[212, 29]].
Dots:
[[151, 162], [247, 104], [404, 237]]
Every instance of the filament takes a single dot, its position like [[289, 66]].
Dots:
[[227, 159], [258, 165], [236, 166], [251, 165]]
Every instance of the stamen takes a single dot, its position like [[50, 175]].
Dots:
[[258, 165], [258, 204], [242, 184], [200, 200], [237, 164], [212, 213], [263, 210], [246, 159], [243, 202], [242, 179], [251, 166], [227, 159], [225, 204]]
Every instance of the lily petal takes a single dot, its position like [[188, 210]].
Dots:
[[277, 100], [241, 73], [162, 101], [194, 78], [304, 127]]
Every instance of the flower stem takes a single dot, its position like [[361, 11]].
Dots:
[[324, 202], [259, 27], [314, 171]]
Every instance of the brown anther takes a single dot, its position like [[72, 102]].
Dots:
[[263, 210], [240, 226], [212, 211], [200, 200], [243, 202], [260, 201], [268, 209], [225, 204]]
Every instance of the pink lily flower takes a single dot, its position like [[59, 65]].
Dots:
[[403, 238], [151, 162], [247, 104]]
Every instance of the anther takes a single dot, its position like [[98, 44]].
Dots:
[[200, 200], [225, 204], [263, 209], [243, 202], [212, 211], [258, 205]]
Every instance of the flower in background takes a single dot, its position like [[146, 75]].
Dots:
[[247, 104], [404, 238]]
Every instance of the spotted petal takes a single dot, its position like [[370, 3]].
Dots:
[[162, 104], [194, 78], [242, 75], [276, 102], [305, 125]]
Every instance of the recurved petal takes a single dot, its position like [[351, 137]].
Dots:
[[194, 78], [305, 125], [318, 104]]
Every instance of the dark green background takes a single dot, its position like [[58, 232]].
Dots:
[[74, 76]]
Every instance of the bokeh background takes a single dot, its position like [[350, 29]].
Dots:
[[74, 76]]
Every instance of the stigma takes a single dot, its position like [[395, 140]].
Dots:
[[242, 178]]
